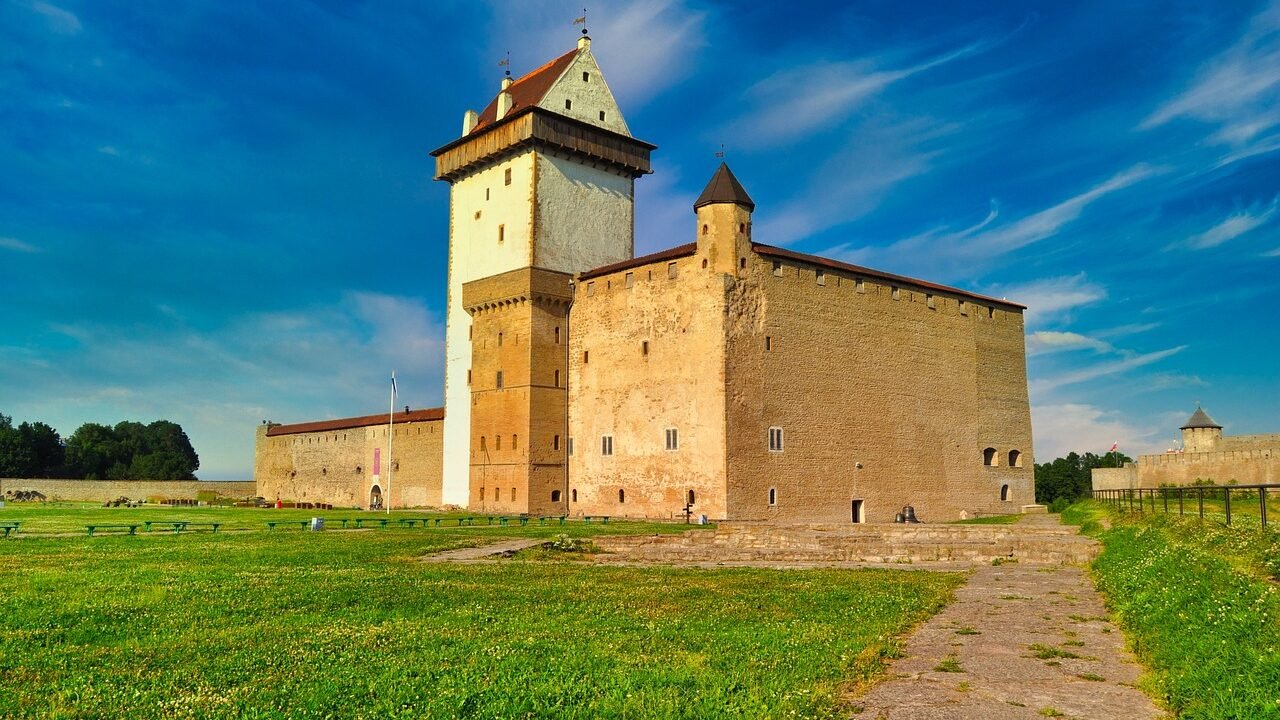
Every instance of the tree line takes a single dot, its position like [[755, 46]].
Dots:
[[128, 451], [1070, 478]]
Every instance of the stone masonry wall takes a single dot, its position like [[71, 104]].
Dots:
[[102, 490], [909, 383]]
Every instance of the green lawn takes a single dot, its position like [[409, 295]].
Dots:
[[1199, 604], [351, 624], [990, 520]]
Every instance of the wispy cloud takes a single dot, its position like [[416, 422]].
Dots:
[[792, 103], [109, 150], [1099, 370], [8, 243], [59, 21], [1051, 299], [1238, 91], [1232, 227], [1272, 253], [1050, 341], [1061, 428]]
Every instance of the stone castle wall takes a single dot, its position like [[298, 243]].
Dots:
[[336, 466], [102, 490], [911, 384]]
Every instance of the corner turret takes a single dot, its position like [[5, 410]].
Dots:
[[724, 222], [1200, 433]]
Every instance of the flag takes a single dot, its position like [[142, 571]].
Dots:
[[580, 21], [1114, 445], [504, 62]]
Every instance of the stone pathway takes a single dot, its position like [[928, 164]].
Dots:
[[1018, 642], [484, 553]]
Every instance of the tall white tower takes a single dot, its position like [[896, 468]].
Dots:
[[544, 178]]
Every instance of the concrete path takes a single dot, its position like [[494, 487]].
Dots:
[[1018, 642], [484, 553]]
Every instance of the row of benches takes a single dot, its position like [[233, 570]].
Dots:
[[174, 526], [177, 526]]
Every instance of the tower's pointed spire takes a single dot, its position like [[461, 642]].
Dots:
[[1200, 419], [724, 188]]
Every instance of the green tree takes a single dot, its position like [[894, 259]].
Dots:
[[46, 450], [16, 460], [1071, 477], [92, 451]]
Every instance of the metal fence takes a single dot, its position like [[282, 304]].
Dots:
[[1176, 499]]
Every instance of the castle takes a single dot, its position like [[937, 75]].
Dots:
[[722, 377], [1206, 455]]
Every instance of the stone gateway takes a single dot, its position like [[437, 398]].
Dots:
[[723, 377]]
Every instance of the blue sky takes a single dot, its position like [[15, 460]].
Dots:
[[220, 212]]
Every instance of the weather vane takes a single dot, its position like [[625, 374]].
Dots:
[[506, 63], [582, 21], [721, 153]]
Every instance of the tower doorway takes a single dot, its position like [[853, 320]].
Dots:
[[375, 498], [857, 512]]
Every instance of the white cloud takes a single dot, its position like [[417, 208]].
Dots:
[[791, 103], [1238, 91], [8, 243], [1051, 299], [1231, 228], [1061, 428], [109, 150], [1050, 341], [1042, 385], [1272, 253], [60, 21]]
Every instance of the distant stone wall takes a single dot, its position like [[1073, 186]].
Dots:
[[1245, 467], [1122, 478], [100, 490]]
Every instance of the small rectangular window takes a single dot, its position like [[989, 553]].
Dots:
[[585, 76], [777, 268], [773, 496], [555, 442], [895, 293], [930, 301], [468, 376], [673, 439], [499, 379], [671, 271], [585, 357], [568, 104], [557, 378], [644, 347], [606, 445], [822, 276], [557, 334], [964, 308], [859, 285], [775, 439], [991, 312], [768, 343], [568, 446], [506, 176], [591, 289], [502, 234], [499, 339], [602, 115], [486, 193], [629, 279]]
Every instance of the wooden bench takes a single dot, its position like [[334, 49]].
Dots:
[[604, 519], [9, 527], [133, 529], [271, 524]]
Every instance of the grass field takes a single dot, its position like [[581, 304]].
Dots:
[[351, 624], [1199, 604]]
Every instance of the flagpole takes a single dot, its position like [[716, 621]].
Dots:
[[391, 432]]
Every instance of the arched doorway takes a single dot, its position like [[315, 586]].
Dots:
[[375, 498]]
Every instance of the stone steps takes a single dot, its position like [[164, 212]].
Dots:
[[746, 542]]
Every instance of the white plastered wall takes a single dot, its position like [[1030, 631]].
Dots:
[[585, 216], [587, 98], [475, 252]]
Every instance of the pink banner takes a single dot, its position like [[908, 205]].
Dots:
[[377, 461]]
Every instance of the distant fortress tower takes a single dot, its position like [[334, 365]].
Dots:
[[542, 186], [1200, 433]]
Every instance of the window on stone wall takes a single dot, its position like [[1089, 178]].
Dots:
[[964, 308], [499, 379], [574, 495], [742, 263], [606, 445], [859, 285], [1004, 493], [497, 442], [557, 334], [502, 233], [644, 347], [555, 442], [930, 302], [821, 276], [506, 176], [629, 280], [989, 456], [775, 439], [671, 271], [691, 497], [468, 376], [777, 268], [482, 444], [704, 263], [513, 494], [896, 294], [568, 445], [568, 104], [585, 76], [585, 356], [486, 193], [591, 289], [602, 116], [773, 496], [482, 494], [499, 339], [768, 343], [555, 496], [1015, 458], [557, 378], [622, 496], [673, 439], [515, 441], [991, 313], [706, 229]]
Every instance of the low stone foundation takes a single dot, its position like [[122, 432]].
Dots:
[[103, 490], [758, 542]]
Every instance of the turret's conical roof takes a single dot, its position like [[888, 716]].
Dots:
[[1200, 419], [724, 188]]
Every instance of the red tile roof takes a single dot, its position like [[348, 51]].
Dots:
[[355, 422], [528, 90], [678, 251], [858, 269]]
